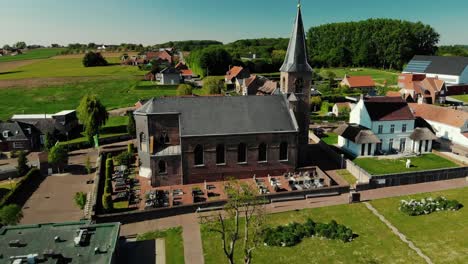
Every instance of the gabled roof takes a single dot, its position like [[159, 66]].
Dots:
[[225, 115], [357, 134], [186, 72], [170, 70], [443, 115], [381, 108], [296, 57], [437, 65], [233, 72], [422, 133], [393, 94], [16, 131], [181, 66], [360, 81]]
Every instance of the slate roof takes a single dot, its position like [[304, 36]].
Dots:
[[357, 134], [388, 109], [443, 115], [225, 115], [296, 56], [17, 131], [437, 64]]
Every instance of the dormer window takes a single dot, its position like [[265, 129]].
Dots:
[[5, 133]]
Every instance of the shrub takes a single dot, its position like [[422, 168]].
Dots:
[[428, 205], [22, 167], [80, 199], [10, 214], [131, 148], [93, 59], [107, 203], [292, 234], [125, 158], [184, 89]]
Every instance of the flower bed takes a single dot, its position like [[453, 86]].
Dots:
[[292, 234], [428, 205]]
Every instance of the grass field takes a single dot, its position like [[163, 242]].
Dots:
[[345, 174], [463, 97], [33, 54], [173, 241], [443, 236], [115, 126], [375, 242], [70, 68], [330, 138], [386, 166], [379, 76]]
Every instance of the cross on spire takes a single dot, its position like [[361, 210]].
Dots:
[[298, 3]]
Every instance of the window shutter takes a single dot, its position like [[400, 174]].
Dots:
[[151, 144]]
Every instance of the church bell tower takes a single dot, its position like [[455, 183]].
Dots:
[[296, 77]]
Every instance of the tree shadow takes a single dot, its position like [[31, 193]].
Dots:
[[9, 72], [114, 129]]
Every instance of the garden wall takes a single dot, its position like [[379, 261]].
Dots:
[[326, 148], [361, 175], [5, 174]]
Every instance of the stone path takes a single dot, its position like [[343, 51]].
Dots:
[[160, 251], [193, 249], [398, 233]]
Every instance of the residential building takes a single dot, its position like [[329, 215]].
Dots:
[[257, 85], [338, 108], [364, 84], [383, 125], [162, 56], [452, 70], [449, 124], [169, 76], [195, 139], [73, 242], [236, 77], [16, 136], [419, 87]]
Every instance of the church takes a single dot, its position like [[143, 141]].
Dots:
[[184, 140]]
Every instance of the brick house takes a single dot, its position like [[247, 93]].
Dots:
[[365, 84], [192, 139], [419, 87], [18, 136]]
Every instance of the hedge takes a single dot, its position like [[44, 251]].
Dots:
[[20, 186], [428, 206]]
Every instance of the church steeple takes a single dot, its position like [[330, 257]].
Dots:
[[296, 56]]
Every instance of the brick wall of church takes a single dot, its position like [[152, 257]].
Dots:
[[213, 172]]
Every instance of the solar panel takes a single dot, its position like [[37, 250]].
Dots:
[[417, 66]]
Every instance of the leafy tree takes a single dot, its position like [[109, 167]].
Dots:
[[212, 85], [242, 202], [49, 141], [10, 214], [213, 60], [93, 59], [131, 148], [315, 102], [184, 89], [22, 167], [125, 158], [88, 165], [80, 199], [92, 45], [92, 114], [107, 202], [58, 157], [7, 47], [20, 45], [131, 128]]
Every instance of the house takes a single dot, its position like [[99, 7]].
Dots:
[[257, 85], [449, 124], [383, 125], [149, 76], [16, 136], [394, 94], [70, 242], [365, 84], [163, 57], [339, 108], [236, 77], [419, 87], [140, 103], [187, 74], [195, 139], [63, 124], [181, 66], [452, 70], [169, 76]]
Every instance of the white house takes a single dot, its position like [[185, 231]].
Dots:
[[452, 70], [447, 123], [347, 106], [169, 76], [383, 125]]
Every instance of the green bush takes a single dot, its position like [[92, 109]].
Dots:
[[10, 214], [107, 203], [184, 89], [93, 59], [131, 148], [292, 234], [80, 199], [125, 158], [428, 205], [20, 186]]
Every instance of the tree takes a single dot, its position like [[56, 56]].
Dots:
[[213, 60], [49, 141], [20, 45], [58, 157], [7, 47], [130, 148], [107, 202], [315, 102], [80, 199], [92, 114], [212, 85], [88, 165], [10, 214], [22, 167], [131, 128], [109, 173], [184, 89], [93, 59], [242, 202]]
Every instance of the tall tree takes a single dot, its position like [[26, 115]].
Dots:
[[131, 128], [93, 59], [212, 85], [20, 45], [241, 221], [92, 114], [213, 60], [22, 167], [184, 89], [58, 157]]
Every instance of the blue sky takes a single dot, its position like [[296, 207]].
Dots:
[[156, 21]]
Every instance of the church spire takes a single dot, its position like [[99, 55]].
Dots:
[[296, 56]]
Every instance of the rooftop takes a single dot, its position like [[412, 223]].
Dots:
[[49, 241], [382, 108], [360, 81], [437, 64], [357, 134], [443, 115]]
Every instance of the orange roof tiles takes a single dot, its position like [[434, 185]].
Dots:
[[359, 81], [444, 115]]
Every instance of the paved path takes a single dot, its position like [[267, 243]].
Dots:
[[160, 249], [193, 249], [398, 233]]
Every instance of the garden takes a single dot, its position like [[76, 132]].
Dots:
[[173, 242]]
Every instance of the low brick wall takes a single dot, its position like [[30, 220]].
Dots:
[[326, 148], [360, 174]]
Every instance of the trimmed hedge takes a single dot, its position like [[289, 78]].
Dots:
[[428, 205], [20, 186], [292, 234]]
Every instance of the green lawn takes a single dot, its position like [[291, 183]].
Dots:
[[345, 174], [173, 241], [70, 68], [387, 166], [33, 54], [115, 126], [121, 205], [375, 242], [378, 75], [463, 97], [330, 138], [443, 236]]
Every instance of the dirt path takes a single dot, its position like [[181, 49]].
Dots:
[[10, 66], [398, 233]]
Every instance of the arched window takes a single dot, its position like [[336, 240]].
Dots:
[[242, 153], [220, 154], [262, 152], [162, 168], [143, 144], [166, 139], [283, 86], [198, 153], [298, 85], [283, 152]]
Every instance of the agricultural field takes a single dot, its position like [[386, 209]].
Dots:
[[442, 236], [33, 54], [375, 243], [379, 76], [376, 166]]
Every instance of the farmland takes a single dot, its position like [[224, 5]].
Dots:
[[33, 54], [379, 76]]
